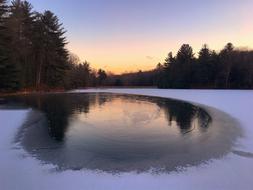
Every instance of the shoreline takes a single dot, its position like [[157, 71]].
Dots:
[[28, 92]]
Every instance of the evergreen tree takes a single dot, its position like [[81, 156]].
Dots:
[[183, 67], [55, 54], [101, 76], [78, 76], [8, 71], [226, 58], [165, 80], [185, 54], [39, 50], [20, 28], [204, 68]]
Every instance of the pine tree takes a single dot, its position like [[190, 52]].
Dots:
[[8, 71], [55, 53], [20, 27], [183, 70], [226, 58], [204, 68], [185, 54], [101, 76]]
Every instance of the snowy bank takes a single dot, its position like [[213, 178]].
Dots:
[[19, 171]]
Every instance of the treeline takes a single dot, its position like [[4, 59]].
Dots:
[[230, 68], [140, 78], [33, 54]]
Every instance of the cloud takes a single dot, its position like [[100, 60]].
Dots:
[[149, 57]]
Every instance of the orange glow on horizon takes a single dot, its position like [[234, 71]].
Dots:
[[145, 56], [130, 53], [124, 36]]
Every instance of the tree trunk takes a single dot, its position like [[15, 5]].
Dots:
[[38, 82]]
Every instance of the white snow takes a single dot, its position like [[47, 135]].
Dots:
[[20, 171]]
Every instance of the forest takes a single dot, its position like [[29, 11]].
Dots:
[[34, 57], [33, 54], [231, 68]]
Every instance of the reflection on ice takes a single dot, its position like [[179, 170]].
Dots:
[[119, 133]]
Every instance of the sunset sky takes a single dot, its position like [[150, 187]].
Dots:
[[129, 35]]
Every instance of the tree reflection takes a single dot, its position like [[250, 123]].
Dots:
[[184, 114], [58, 108]]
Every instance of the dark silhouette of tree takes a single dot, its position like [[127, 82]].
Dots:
[[33, 56], [185, 54], [158, 74], [8, 71], [230, 68], [241, 75], [101, 76], [227, 60], [56, 55], [34, 48], [78, 75], [20, 29], [184, 60], [40, 48], [118, 82], [203, 71], [177, 70]]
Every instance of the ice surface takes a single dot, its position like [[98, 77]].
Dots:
[[20, 171]]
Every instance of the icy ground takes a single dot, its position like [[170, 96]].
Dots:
[[19, 171]]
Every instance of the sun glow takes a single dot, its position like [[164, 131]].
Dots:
[[121, 36]]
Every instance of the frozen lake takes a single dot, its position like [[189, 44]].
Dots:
[[83, 140], [122, 133]]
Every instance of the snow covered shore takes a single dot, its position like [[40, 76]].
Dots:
[[19, 171]]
